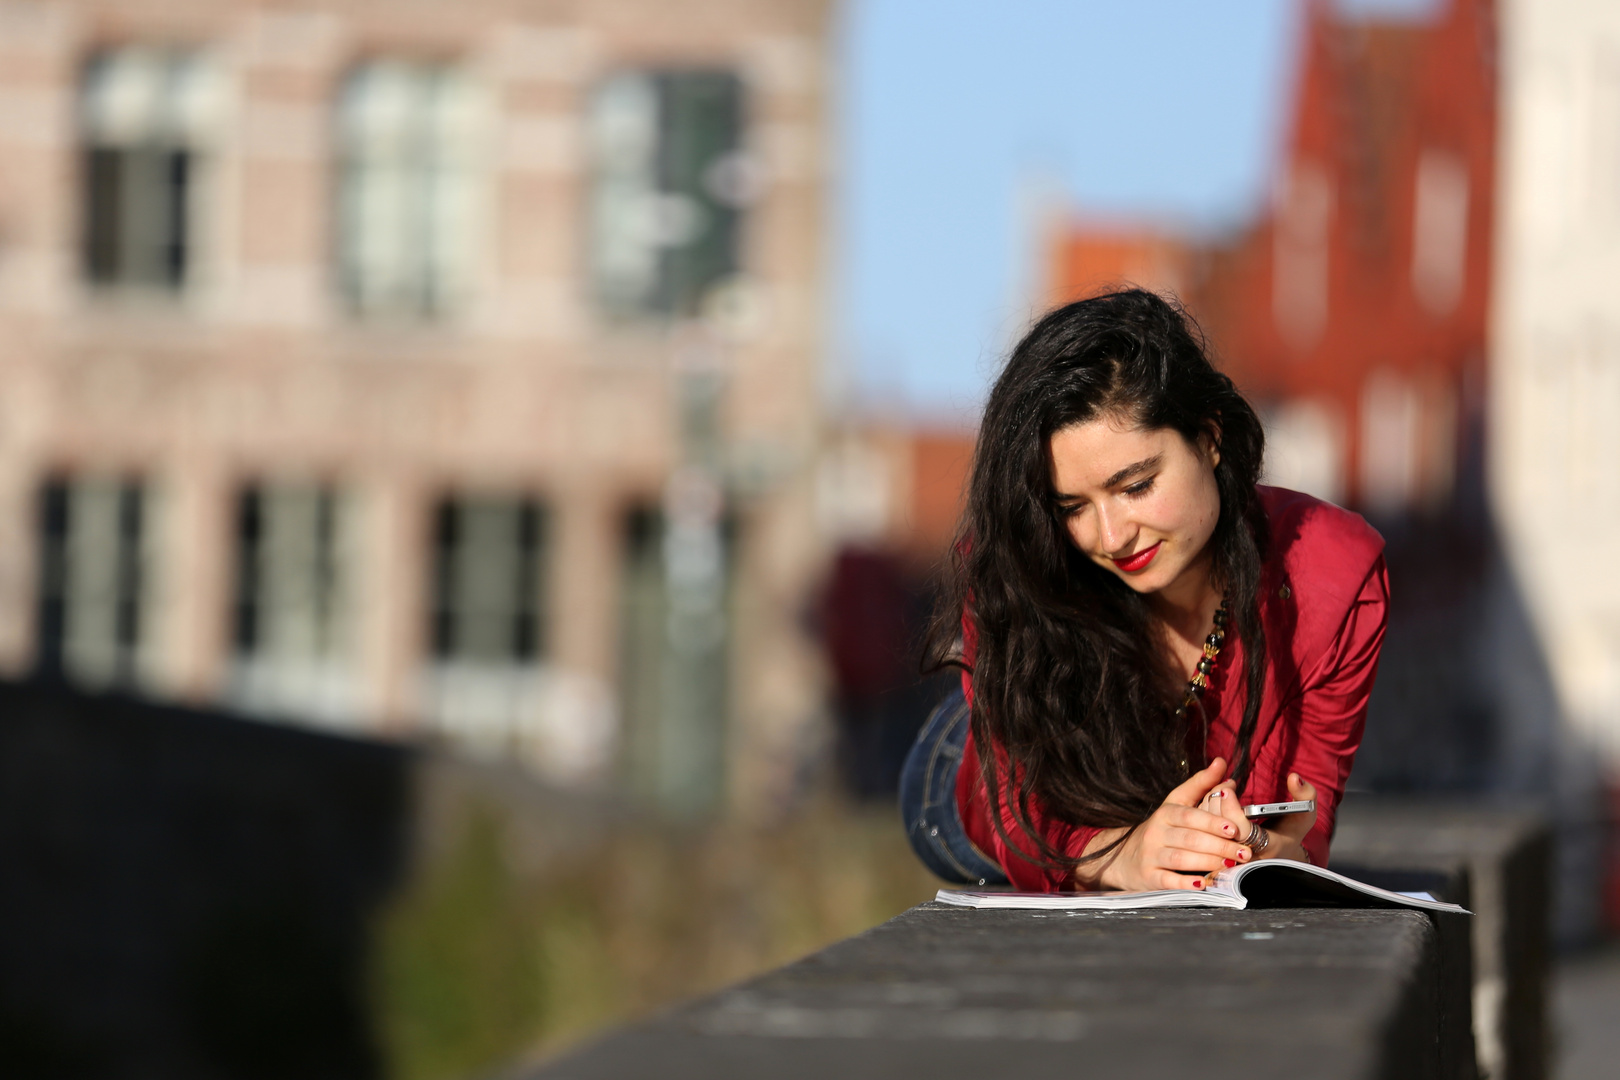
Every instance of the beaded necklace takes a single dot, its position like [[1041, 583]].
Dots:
[[1212, 648]]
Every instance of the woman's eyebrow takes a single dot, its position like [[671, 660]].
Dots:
[[1132, 470]]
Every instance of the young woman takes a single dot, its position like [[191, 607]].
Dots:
[[1149, 639]]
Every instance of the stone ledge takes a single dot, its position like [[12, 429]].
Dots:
[[945, 993]]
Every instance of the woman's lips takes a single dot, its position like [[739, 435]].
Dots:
[[1132, 563]]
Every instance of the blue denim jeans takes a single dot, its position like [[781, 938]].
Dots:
[[928, 799]]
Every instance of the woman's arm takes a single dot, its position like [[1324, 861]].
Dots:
[[1333, 709], [1332, 712], [1179, 840]]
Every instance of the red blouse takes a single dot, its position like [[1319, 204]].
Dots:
[[1324, 602]]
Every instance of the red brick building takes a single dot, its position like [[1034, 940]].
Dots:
[[1355, 309]]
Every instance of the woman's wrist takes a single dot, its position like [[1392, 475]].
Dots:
[[1280, 846], [1099, 873]]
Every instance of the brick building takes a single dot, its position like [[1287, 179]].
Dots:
[[1355, 308], [421, 367]]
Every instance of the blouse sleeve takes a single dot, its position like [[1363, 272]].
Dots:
[[1024, 871], [970, 650], [1333, 705]]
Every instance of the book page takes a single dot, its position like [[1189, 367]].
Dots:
[[1098, 901], [1270, 883]]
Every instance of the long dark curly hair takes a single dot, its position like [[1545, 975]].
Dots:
[[1068, 678]]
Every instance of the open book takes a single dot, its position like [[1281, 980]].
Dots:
[[1269, 883]]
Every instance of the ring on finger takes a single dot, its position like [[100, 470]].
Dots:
[[1258, 839]]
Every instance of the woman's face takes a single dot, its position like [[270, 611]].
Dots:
[[1140, 503]]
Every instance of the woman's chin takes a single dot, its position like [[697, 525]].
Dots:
[[1145, 582]]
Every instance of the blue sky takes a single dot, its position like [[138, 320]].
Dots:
[[954, 113]]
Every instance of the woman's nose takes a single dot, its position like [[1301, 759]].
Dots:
[[1113, 530]]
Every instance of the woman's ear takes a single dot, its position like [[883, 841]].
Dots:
[[1212, 440]]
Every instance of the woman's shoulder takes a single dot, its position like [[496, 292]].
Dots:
[[1315, 539], [1320, 560]]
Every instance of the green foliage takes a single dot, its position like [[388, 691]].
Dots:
[[459, 982], [479, 964]]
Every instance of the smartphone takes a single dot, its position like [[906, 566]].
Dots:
[[1272, 809]]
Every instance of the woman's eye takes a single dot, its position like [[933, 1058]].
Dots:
[[1141, 487]]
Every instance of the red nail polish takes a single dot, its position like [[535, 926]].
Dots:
[[1229, 862], [1198, 883]]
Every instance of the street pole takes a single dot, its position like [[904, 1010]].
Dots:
[[692, 732]]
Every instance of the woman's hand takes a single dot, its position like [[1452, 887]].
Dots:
[[1178, 838], [1286, 832]]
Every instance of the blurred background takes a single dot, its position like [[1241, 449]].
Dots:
[[473, 476]]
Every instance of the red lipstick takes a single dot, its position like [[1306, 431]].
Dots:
[[1133, 563]]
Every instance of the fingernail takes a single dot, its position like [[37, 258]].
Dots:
[[1243, 856], [1229, 862], [1198, 883], [1227, 829]]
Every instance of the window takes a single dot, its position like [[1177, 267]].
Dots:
[[486, 581], [670, 182], [93, 580], [675, 645], [643, 629], [486, 687], [1301, 231], [1440, 230], [143, 116], [1391, 415], [407, 198], [292, 619], [1305, 448]]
